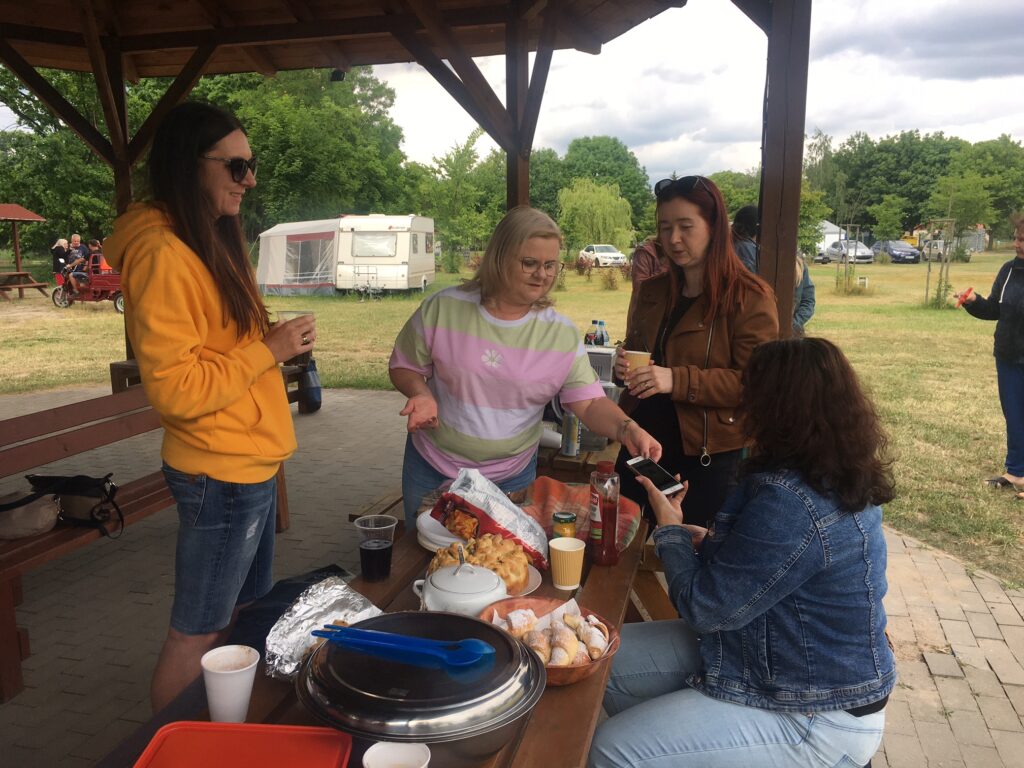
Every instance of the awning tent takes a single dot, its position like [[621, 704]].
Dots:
[[298, 258]]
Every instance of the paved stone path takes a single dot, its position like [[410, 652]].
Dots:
[[97, 618]]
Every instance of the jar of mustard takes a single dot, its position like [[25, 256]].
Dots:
[[563, 524]]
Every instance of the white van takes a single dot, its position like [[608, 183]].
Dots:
[[365, 253]]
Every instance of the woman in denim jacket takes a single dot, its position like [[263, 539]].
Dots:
[[780, 656]]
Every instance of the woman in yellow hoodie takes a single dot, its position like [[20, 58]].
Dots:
[[209, 364]]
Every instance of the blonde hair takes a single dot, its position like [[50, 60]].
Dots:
[[63, 243], [800, 263], [493, 276]]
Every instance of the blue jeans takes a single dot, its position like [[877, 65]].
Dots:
[[225, 551], [1011, 396], [420, 478], [658, 722]]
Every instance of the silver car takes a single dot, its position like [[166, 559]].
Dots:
[[850, 250]]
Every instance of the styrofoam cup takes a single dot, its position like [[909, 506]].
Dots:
[[229, 672], [388, 754]]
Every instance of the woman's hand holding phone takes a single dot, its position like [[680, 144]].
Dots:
[[965, 297]]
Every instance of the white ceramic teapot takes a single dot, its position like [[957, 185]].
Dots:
[[466, 589]]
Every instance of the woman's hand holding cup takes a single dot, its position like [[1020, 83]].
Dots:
[[292, 337]]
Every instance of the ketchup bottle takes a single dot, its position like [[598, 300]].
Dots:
[[604, 514]]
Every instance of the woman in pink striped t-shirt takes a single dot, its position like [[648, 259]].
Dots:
[[480, 361]]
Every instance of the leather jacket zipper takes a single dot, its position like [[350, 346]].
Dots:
[[705, 457]]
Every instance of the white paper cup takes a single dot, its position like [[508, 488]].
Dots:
[[566, 561], [387, 754], [229, 672]]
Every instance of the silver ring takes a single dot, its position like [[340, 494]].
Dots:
[[305, 340]]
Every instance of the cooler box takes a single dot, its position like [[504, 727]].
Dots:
[[241, 745]]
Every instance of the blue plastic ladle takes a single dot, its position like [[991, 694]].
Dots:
[[407, 649]]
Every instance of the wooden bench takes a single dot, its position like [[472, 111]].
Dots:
[[125, 373], [36, 439], [19, 281]]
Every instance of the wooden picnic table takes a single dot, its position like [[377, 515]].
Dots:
[[561, 726], [10, 281]]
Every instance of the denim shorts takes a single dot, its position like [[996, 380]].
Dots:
[[225, 551]]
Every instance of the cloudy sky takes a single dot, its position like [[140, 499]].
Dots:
[[684, 90]]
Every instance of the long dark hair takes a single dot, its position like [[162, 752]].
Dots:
[[726, 281], [186, 133], [805, 410]]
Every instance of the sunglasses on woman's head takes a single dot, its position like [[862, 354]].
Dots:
[[238, 166], [669, 187]]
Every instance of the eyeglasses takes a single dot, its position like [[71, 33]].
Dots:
[[667, 188], [550, 267], [238, 166]]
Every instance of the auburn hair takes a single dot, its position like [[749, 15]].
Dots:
[[804, 409], [727, 282], [187, 133]]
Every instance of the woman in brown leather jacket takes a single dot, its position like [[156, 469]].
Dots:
[[700, 320]]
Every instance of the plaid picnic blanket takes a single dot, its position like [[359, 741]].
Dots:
[[549, 496]]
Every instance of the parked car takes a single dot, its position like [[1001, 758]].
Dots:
[[854, 250], [603, 255], [821, 258], [900, 252]]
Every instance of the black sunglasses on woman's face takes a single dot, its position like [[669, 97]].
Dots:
[[668, 187], [238, 166]]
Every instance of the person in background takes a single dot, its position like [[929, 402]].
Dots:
[[97, 263], [59, 252], [647, 261], [480, 361], [209, 362], [1005, 305], [744, 236], [803, 296], [779, 657], [700, 320], [77, 248]]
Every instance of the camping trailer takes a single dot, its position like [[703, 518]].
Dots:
[[374, 252]]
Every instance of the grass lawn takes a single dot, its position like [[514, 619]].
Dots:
[[931, 373]]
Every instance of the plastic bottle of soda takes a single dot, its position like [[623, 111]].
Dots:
[[590, 337], [601, 339], [604, 514]]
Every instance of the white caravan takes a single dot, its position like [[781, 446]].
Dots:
[[366, 253]]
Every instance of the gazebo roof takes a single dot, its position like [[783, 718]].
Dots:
[[159, 36], [14, 212]]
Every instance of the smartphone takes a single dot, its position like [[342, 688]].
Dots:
[[657, 474]]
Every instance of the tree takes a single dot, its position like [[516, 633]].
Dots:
[[963, 198], [738, 188], [547, 177], [812, 210], [888, 216], [594, 213], [459, 223], [606, 160], [1001, 163]]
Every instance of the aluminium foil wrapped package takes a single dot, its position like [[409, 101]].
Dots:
[[330, 601], [473, 493]]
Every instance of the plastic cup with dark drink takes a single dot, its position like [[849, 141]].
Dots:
[[376, 540]]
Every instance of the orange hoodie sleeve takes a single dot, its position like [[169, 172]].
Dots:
[[190, 362]]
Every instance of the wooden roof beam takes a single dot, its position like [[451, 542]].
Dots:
[[295, 32], [104, 86], [128, 68], [472, 78], [579, 32], [539, 76], [758, 11], [177, 91], [339, 56], [257, 56], [56, 103]]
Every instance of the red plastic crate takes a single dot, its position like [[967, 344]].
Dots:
[[241, 745]]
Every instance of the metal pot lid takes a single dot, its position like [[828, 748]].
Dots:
[[465, 579], [374, 697]]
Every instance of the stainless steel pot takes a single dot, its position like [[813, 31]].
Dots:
[[464, 716]]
